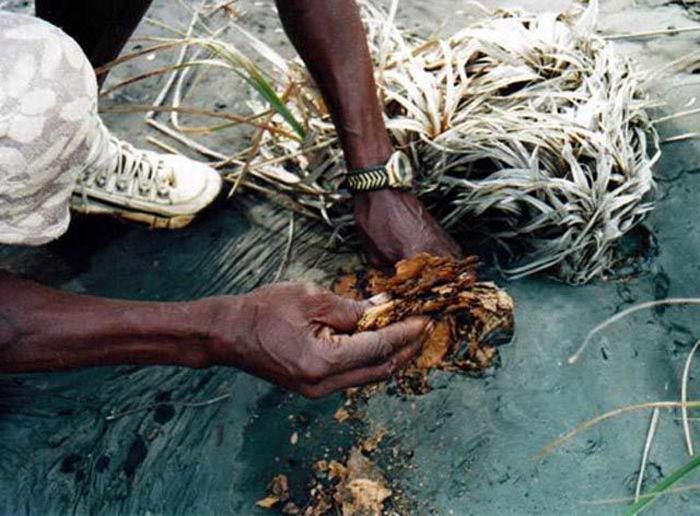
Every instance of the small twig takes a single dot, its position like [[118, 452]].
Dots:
[[163, 94], [226, 7], [254, 147], [206, 151], [681, 137], [686, 60], [239, 119], [302, 151], [608, 415], [649, 304], [196, 18], [177, 93], [645, 454], [676, 115], [660, 32], [257, 139], [143, 76], [162, 145], [684, 399], [148, 50], [189, 404], [287, 250]]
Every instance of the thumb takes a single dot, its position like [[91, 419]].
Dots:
[[341, 313]]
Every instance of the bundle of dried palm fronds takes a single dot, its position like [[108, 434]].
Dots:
[[529, 127]]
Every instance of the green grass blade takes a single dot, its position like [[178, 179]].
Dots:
[[268, 93], [663, 486], [247, 70]]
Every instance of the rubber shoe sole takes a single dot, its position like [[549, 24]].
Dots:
[[152, 220]]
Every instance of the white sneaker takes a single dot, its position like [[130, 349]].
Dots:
[[161, 190]]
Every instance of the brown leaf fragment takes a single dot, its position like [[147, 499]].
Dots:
[[268, 502], [372, 442], [436, 345], [341, 415], [365, 497], [364, 488], [290, 508], [336, 470], [278, 491]]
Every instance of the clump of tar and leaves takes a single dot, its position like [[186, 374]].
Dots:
[[470, 318]]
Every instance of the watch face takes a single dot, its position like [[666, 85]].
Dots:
[[400, 170]]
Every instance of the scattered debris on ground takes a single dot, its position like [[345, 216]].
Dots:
[[355, 486], [278, 493]]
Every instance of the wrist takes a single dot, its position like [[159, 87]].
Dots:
[[181, 333], [369, 150], [229, 324], [385, 196]]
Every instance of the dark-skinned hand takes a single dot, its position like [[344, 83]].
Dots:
[[394, 225], [299, 336]]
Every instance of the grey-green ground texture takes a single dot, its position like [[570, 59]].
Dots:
[[467, 447]]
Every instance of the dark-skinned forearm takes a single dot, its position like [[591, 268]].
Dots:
[[43, 329], [331, 40]]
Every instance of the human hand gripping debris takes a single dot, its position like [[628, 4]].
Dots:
[[298, 335]]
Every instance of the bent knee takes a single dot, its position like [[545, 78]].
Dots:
[[48, 109]]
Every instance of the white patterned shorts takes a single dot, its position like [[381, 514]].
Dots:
[[48, 119]]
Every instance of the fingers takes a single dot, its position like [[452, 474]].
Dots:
[[364, 375], [449, 247], [340, 313], [374, 347]]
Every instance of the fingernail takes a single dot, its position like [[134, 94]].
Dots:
[[430, 326]]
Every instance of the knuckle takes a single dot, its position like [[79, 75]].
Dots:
[[383, 346], [386, 372], [314, 370], [309, 288], [357, 308], [392, 367], [308, 392], [403, 337]]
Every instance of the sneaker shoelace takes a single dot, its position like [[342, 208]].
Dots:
[[137, 173], [133, 172]]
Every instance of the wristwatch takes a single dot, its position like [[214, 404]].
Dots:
[[395, 173]]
